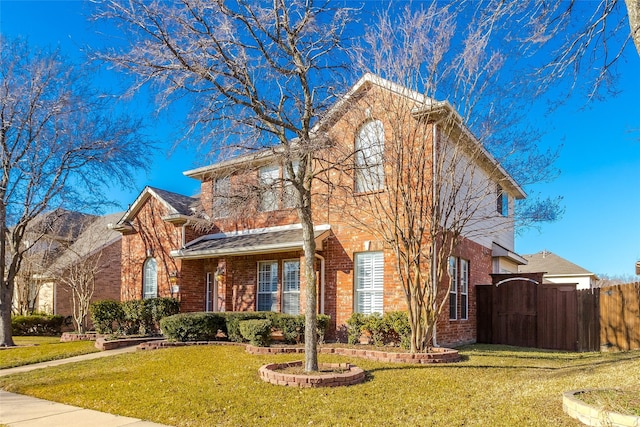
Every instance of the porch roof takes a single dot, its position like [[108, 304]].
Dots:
[[249, 242]]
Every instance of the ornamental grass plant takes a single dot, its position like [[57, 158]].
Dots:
[[219, 385]]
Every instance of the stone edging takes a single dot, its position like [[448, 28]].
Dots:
[[103, 344], [593, 416], [437, 355], [352, 376], [69, 337]]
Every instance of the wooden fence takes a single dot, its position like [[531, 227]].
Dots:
[[620, 317], [520, 310]]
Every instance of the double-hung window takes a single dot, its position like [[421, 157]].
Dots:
[[369, 282], [459, 292], [289, 192], [369, 148], [453, 291], [464, 289], [221, 194], [267, 286], [269, 176], [291, 287]]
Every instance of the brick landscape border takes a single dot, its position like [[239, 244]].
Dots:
[[436, 355], [352, 376], [592, 416]]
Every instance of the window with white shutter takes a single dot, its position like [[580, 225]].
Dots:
[[369, 282]]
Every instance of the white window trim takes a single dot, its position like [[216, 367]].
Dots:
[[284, 288], [274, 294], [375, 292], [369, 177], [269, 180], [453, 291], [464, 289], [145, 278]]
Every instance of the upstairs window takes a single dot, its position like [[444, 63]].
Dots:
[[221, 201], [269, 176], [369, 145], [502, 201], [150, 278], [289, 192]]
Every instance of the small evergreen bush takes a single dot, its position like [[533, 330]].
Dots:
[[193, 326], [234, 318], [37, 325], [256, 331], [107, 316], [392, 328]]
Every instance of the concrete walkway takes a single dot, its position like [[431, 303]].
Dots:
[[24, 411]]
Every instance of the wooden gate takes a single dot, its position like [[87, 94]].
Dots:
[[620, 317], [519, 310]]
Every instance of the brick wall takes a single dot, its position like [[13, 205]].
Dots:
[[107, 281]]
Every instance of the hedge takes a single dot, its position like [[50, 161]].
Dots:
[[208, 326], [256, 331], [133, 316], [37, 325], [392, 328]]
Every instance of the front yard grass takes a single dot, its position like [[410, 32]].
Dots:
[[42, 349], [219, 385]]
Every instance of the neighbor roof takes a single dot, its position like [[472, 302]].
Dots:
[[552, 264]]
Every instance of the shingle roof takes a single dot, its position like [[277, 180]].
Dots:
[[254, 241], [551, 264], [92, 238], [181, 203]]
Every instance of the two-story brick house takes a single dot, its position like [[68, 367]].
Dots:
[[250, 257]]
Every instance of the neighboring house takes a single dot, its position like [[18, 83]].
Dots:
[[250, 257], [558, 270], [45, 240], [96, 253]]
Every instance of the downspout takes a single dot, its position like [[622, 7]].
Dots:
[[434, 275], [321, 282]]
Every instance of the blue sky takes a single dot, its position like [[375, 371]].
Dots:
[[599, 163]]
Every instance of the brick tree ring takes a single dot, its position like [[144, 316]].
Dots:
[[271, 373]]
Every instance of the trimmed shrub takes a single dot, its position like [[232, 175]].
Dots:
[[233, 320], [37, 325], [193, 326], [161, 308], [392, 328], [137, 317], [107, 316], [354, 327], [256, 331], [323, 324]]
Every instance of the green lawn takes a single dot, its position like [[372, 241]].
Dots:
[[219, 385], [41, 349]]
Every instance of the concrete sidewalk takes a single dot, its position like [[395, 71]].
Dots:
[[24, 411]]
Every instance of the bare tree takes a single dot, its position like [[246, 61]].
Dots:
[[259, 75], [59, 145], [442, 183]]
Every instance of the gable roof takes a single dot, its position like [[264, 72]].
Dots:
[[552, 265], [426, 107], [179, 207], [94, 237]]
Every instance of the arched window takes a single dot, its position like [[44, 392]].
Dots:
[[150, 279], [369, 147]]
